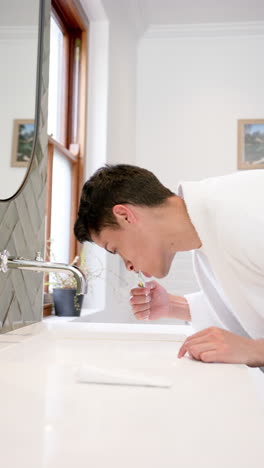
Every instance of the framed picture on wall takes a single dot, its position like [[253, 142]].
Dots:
[[251, 144], [23, 137]]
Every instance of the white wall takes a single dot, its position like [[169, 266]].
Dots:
[[111, 130], [194, 82], [121, 137], [191, 91], [170, 104]]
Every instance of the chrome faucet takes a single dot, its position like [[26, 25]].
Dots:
[[38, 264]]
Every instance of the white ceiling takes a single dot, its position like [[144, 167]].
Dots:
[[150, 12], [198, 11]]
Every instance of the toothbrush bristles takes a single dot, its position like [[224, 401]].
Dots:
[[141, 282]]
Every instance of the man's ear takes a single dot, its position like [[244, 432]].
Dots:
[[124, 214]]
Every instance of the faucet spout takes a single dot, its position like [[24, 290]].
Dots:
[[7, 262]]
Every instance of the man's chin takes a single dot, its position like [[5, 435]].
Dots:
[[161, 274], [146, 274], [164, 272]]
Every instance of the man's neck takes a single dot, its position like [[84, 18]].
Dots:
[[183, 235]]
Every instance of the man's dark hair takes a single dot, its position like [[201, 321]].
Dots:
[[112, 185]]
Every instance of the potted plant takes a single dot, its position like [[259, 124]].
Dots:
[[65, 300]]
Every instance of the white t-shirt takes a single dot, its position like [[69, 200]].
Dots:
[[228, 215]]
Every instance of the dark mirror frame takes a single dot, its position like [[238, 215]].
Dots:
[[41, 17]]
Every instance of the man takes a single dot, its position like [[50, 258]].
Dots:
[[127, 211]]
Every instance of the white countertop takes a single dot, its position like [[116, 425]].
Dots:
[[212, 416]]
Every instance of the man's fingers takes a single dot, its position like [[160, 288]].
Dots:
[[140, 308], [146, 290], [142, 315], [208, 356], [195, 347], [151, 284], [142, 299], [211, 331], [139, 292], [192, 340], [196, 351], [182, 351], [207, 336]]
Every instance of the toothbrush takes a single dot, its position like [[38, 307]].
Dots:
[[141, 284], [141, 281]]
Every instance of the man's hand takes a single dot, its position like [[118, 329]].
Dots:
[[217, 345], [151, 302]]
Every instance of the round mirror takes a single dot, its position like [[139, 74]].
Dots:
[[19, 21]]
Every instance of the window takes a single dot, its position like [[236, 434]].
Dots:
[[66, 125]]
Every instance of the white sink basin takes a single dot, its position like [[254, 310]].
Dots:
[[210, 417]]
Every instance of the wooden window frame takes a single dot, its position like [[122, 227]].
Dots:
[[72, 20]]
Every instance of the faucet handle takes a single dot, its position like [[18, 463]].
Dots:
[[3, 261]]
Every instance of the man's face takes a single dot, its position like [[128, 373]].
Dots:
[[140, 246]]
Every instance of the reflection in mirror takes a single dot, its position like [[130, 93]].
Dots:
[[18, 55]]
